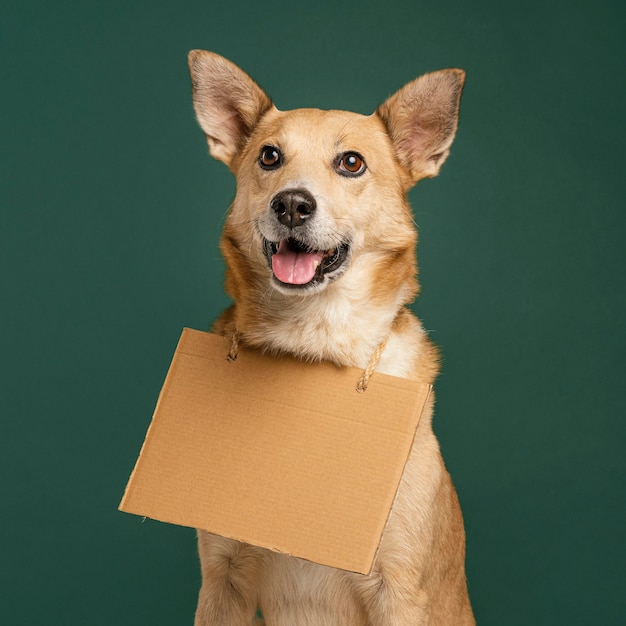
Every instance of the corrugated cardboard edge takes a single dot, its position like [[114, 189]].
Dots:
[[144, 445], [395, 497]]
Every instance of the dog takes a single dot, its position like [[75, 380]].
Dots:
[[319, 246]]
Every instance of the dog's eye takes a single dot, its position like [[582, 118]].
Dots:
[[350, 164], [270, 157]]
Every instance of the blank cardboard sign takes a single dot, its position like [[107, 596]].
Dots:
[[276, 452]]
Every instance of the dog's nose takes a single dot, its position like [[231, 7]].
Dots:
[[293, 207]]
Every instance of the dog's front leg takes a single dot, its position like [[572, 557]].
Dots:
[[230, 576], [393, 601]]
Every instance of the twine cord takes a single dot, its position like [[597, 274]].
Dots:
[[234, 347], [371, 366], [363, 381]]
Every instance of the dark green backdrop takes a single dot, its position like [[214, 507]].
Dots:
[[110, 210]]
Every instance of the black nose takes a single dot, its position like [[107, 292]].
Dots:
[[293, 207]]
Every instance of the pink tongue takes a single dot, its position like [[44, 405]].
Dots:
[[295, 268]]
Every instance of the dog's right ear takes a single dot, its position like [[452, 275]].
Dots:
[[228, 103]]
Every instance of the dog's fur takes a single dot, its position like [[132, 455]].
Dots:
[[348, 272]]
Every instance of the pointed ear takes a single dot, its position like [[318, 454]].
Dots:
[[228, 103], [422, 119]]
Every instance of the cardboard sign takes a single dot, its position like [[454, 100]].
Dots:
[[276, 452]]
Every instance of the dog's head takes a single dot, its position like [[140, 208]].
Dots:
[[321, 195]]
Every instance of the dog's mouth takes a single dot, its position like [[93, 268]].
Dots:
[[296, 265]]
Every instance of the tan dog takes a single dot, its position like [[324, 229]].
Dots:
[[320, 252]]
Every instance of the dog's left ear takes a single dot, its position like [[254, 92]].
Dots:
[[228, 103], [422, 118]]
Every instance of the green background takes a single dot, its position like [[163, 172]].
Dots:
[[110, 210]]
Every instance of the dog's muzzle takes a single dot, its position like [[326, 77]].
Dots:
[[296, 261]]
